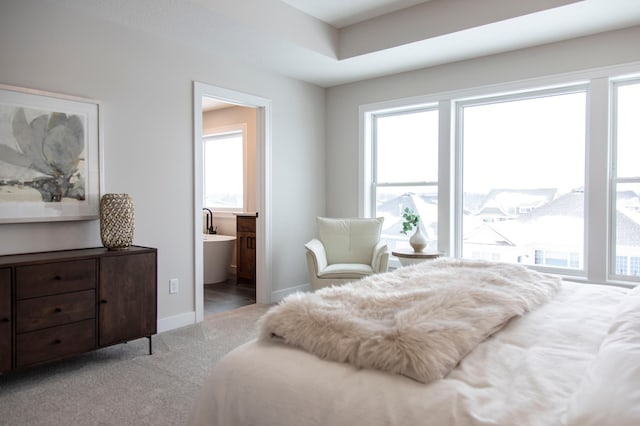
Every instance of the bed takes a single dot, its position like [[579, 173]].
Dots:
[[571, 359]]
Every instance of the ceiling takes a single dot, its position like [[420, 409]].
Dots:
[[332, 42], [342, 13]]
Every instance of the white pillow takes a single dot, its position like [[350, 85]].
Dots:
[[349, 240], [609, 394]]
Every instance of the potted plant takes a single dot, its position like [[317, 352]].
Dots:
[[411, 220]]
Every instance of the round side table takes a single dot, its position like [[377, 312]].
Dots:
[[409, 257]]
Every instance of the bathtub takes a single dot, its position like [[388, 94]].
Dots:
[[217, 252]]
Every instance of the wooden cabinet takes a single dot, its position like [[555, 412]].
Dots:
[[5, 320], [246, 248], [127, 289], [69, 302]]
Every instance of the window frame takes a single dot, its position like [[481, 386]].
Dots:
[[614, 85], [218, 133], [375, 184], [531, 93], [367, 156], [598, 236]]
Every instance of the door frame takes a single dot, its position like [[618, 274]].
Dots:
[[263, 186]]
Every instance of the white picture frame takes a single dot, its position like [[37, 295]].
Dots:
[[50, 167]]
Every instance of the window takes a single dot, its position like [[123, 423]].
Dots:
[[544, 174], [223, 156], [621, 265], [634, 266], [556, 258], [523, 177], [405, 171], [539, 257], [626, 178]]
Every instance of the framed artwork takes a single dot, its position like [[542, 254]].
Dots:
[[49, 156]]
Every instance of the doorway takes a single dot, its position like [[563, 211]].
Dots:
[[261, 180]]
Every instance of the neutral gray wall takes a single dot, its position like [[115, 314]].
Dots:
[[611, 48], [145, 88], [144, 85]]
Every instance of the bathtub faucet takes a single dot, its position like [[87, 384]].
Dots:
[[210, 228]]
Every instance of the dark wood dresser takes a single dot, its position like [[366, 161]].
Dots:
[[62, 303]]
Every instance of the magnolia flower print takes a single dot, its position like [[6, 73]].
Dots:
[[52, 145]]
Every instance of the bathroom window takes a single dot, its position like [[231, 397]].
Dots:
[[223, 155]]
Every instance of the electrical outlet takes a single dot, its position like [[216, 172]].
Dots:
[[173, 285]]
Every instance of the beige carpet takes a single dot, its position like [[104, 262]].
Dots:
[[122, 384]]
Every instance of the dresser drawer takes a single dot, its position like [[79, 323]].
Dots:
[[56, 342], [49, 311], [54, 278], [5, 320]]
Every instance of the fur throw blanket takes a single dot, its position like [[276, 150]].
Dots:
[[418, 321]]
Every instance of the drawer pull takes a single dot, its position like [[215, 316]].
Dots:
[[103, 301], [57, 278], [57, 310], [5, 319], [57, 342]]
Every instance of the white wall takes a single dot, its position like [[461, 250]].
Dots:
[[612, 48], [145, 88]]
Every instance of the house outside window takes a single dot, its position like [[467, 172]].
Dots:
[[404, 146], [538, 257], [621, 265], [634, 266]]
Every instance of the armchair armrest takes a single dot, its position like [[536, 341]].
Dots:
[[380, 261], [316, 253]]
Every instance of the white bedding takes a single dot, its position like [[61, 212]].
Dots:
[[523, 375], [418, 321]]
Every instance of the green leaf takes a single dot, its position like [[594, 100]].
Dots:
[[410, 220]]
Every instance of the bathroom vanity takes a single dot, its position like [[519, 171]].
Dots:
[[62, 303], [246, 247]]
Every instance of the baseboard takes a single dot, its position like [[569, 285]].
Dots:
[[278, 295], [188, 318], [176, 321]]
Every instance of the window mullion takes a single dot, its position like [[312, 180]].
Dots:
[[597, 204], [374, 161], [446, 167]]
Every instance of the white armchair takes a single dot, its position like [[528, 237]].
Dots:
[[345, 250]]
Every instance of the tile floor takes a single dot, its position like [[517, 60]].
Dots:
[[228, 295]]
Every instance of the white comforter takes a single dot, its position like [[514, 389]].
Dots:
[[523, 375], [418, 321]]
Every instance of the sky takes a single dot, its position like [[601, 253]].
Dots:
[[519, 143]]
